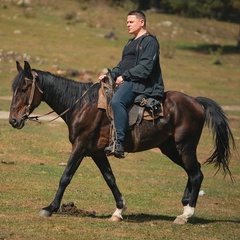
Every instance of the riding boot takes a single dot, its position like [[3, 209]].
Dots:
[[119, 150], [116, 149]]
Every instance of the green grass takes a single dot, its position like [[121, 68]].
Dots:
[[152, 185]]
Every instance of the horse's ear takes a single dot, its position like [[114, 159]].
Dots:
[[19, 67], [27, 68]]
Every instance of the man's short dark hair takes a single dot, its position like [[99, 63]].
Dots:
[[139, 15]]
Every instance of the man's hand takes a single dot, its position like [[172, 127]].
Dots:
[[119, 81], [101, 77]]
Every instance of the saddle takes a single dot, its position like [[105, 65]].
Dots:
[[143, 108]]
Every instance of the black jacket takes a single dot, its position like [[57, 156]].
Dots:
[[146, 74]]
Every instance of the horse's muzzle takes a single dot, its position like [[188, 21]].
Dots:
[[18, 123]]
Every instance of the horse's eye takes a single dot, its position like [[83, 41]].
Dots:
[[24, 89]]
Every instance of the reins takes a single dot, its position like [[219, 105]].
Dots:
[[36, 118]]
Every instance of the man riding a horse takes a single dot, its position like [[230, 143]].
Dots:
[[176, 134], [138, 76]]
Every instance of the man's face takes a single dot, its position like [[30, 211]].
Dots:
[[134, 24]]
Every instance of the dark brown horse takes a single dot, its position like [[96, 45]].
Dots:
[[176, 135]]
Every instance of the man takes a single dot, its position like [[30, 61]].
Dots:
[[138, 73]]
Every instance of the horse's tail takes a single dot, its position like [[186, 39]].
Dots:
[[216, 119]]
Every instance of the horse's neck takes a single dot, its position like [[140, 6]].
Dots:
[[59, 93]]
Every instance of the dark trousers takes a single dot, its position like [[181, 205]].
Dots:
[[122, 99]]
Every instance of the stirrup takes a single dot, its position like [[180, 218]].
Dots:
[[109, 150]]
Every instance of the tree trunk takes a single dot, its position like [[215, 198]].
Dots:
[[238, 40]]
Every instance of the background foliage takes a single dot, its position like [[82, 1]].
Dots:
[[228, 10]]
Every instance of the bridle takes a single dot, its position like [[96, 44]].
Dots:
[[34, 85], [31, 97]]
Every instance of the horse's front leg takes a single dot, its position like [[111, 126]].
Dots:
[[72, 165], [105, 168]]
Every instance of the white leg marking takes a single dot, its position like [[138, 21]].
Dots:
[[117, 215], [188, 212]]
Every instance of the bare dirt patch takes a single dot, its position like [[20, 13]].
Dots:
[[71, 209]]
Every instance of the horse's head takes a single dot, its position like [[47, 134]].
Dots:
[[27, 95]]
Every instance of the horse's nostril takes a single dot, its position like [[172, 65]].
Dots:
[[13, 121]]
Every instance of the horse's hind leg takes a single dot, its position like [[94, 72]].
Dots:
[[195, 177], [186, 158], [105, 168]]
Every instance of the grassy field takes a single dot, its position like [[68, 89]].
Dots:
[[152, 186], [65, 35]]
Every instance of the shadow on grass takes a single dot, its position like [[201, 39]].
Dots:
[[140, 218], [207, 48]]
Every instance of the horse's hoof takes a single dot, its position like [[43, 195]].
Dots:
[[45, 213], [180, 221], [115, 219]]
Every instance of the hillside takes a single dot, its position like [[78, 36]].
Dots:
[[198, 56]]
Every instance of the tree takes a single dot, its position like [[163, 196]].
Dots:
[[147, 4], [144, 4]]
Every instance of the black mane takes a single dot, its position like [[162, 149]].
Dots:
[[65, 91]]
